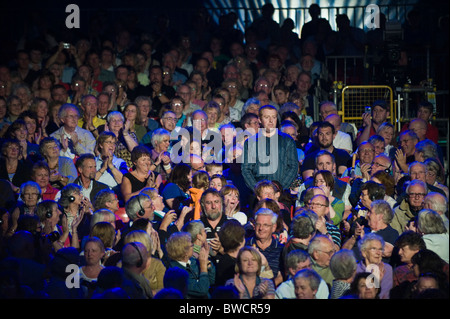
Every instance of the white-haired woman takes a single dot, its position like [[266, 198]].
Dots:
[[371, 247], [126, 140], [160, 153], [431, 225]]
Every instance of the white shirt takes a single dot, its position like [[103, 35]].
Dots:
[[343, 141], [107, 178], [286, 290]]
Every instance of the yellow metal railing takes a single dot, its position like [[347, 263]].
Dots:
[[355, 98]]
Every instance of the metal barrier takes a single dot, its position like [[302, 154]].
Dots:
[[355, 98]]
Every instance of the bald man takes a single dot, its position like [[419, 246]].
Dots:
[[439, 203], [342, 140], [419, 127]]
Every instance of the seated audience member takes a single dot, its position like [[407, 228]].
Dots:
[[265, 226], [251, 281], [110, 169], [371, 247], [73, 139], [343, 265], [86, 168], [321, 249], [295, 261], [232, 239], [201, 271], [325, 136], [410, 206], [40, 174], [155, 270], [359, 288], [306, 284], [407, 245], [438, 203], [434, 233]]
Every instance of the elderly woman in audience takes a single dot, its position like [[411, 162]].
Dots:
[[62, 169], [434, 233], [252, 105], [110, 169], [202, 272], [29, 196], [160, 155], [155, 270], [126, 140], [306, 283], [343, 268], [247, 279], [371, 247], [142, 175], [75, 204]]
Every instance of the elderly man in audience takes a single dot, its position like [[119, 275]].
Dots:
[[321, 249], [295, 261], [438, 203], [410, 206], [74, 139]]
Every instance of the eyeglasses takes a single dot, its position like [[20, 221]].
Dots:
[[231, 86], [379, 165], [170, 119], [202, 168], [405, 141], [176, 104], [317, 204], [263, 85], [374, 249], [30, 194], [367, 151], [417, 195]]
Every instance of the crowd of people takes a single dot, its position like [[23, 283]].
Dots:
[[170, 170]]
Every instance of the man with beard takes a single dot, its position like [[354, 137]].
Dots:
[[325, 137], [87, 170], [212, 216]]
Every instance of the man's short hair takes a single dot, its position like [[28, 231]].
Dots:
[[80, 160]]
